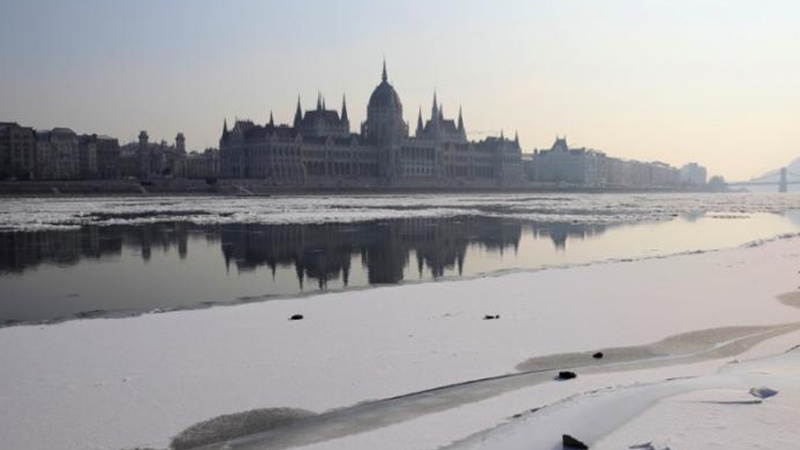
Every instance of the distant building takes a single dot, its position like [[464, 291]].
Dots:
[[203, 165], [693, 174], [592, 168], [87, 151], [17, 151], [58, 155], [108, 164], [319, 149], [146, 160], [562, 164]]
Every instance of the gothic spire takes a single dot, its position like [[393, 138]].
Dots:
[[271, 120], [441, 113], [419, 123], [501, 135], [460, 121], [298, 115], [319, 100], [435, 108], [516, 137], [384, 77], [344, 109], [225, 126]]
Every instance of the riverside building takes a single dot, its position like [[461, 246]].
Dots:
[[319, 149]]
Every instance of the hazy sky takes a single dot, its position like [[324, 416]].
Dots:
[[716, 82]]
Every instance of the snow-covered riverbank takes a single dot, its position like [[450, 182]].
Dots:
[[125, 383]]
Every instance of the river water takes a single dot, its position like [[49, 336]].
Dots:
[[88, 257]]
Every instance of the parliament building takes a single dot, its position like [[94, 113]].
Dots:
[[320, 150]]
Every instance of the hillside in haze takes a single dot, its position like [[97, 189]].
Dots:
[[774, 176], [792, 167]]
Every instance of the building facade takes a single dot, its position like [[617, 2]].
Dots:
[[108, 165], [58, 155], [17, 151], [562, 164], [148, 160], [592, 168], [203, 165], [319, 149], [693, 175]]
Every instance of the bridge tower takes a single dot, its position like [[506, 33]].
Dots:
[[782, 185]]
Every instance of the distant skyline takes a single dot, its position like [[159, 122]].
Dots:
[[716, 82]]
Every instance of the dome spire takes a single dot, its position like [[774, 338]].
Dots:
[[384, 77], [271, 121]]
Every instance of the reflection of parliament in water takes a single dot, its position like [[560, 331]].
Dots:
[[320, 252], [324, 251]]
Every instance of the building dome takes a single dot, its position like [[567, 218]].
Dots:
[[385, 97], [385, 122]]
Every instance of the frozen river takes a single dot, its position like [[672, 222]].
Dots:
[[82, 257]]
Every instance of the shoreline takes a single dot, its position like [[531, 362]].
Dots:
[[260, 188], [791, 299]]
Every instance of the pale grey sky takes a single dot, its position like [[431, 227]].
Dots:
[[714, 81]]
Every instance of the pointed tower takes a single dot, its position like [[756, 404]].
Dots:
[[419, 123], [298, 114], [501, 135], [516, 138], [323, 103], [441, 113], [345, 120], [460, 122], [434, 109], [319, 101], [224, 127], [180, 143], [271, 120], [384, 125]]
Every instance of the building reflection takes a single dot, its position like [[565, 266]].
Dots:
[[24, 250], [559, 232], [317, 253]]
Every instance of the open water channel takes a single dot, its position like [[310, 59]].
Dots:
[[75, 258]]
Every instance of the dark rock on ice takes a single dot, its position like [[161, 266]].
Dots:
[[598, 355], [491, 317], [566, 375], [570, 442], [763, 392], [296, 317]]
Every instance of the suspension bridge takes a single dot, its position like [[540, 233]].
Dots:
[[784, 179]]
